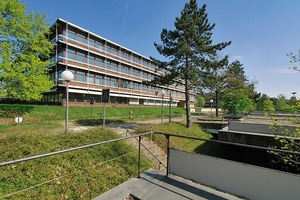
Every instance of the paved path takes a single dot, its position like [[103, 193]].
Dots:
[[126, 129]]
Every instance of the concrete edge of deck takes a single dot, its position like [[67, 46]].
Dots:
[[155, 185]]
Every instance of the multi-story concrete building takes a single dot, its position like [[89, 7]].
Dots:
[[98, 64]]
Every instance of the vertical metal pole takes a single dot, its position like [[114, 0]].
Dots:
[[170, 101], [162, 109], [139, 158], [168, 154], [91, 111], [67, 106], [104, 113]]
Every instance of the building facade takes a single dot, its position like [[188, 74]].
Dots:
[[98, 64]]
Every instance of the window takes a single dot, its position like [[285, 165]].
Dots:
[[130, 85], [71, 34], [136, 86], [71, 54], [91, 42], [120, 67], [107, 81], [79, 76], [99, 45], [114, 82], [138, 73], [145, 88], [80, 38], [145, 63], [99, 62], [91, 60], [114, 50], [126, 55], [108, 49], [135, 72], [60, 56], [126, 68], [80, 57], [113, 66], [107, 65], [98, 79], [126, 84], [91, 78]]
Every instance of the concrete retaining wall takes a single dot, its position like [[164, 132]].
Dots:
[[244, 180]]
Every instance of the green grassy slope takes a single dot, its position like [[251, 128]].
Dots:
[[83, 174], [197, 146]]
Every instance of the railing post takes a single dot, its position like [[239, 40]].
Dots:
[[168, 153], [139, 158]]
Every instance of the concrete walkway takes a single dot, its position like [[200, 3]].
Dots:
[[155, 185]]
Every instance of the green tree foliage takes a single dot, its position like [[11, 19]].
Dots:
[[281, 104], [228, 79], [200, 101], [292, 100], [188, 49], [236, 103], [235, 77], [268, 105], [23, 47], [287, 140], [235, 80], [260, 101], [213, 78]]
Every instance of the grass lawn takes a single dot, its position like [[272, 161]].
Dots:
[[50, 119], [84, 173], [197, 146]]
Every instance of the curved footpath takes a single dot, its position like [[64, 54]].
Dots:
[[127, 128]]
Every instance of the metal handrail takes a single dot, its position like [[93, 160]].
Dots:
[[140, 135], [232, 143], [68, 150]]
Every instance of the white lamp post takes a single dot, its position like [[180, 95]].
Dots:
[[163, 92], [67, 76], [211, 102]]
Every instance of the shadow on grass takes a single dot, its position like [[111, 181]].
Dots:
[[213, 149], [14, 110]]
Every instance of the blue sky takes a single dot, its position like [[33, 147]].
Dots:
[[262, 31]]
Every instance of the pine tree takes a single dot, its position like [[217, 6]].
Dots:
[[187, 49]]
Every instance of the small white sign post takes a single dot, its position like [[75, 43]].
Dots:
[[18, 120]]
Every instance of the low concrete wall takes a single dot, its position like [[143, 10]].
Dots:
[[240, 179], [258, 128]]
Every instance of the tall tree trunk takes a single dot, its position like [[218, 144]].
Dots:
[[187, 104], [217, 103]]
